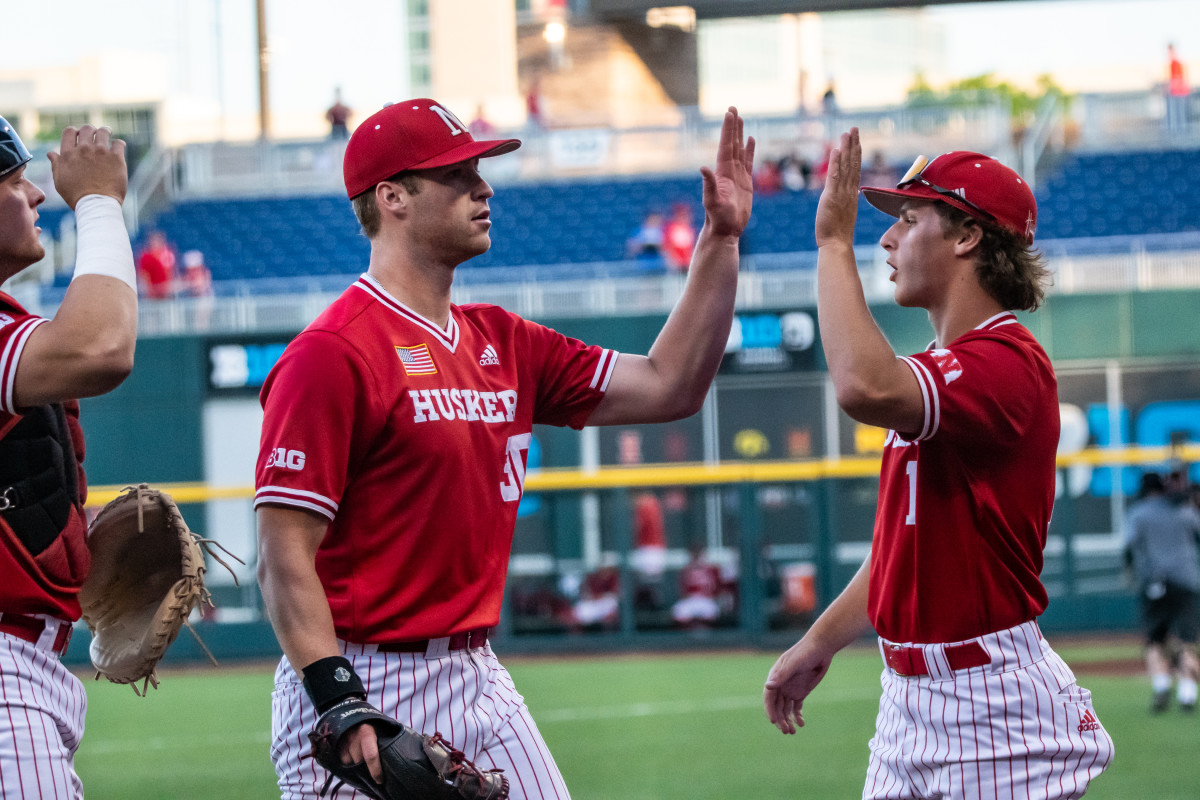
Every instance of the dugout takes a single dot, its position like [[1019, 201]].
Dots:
[[771, 478]]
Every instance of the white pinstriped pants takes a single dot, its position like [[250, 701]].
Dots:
[[1018, 728], [42, 706], [467, 696]]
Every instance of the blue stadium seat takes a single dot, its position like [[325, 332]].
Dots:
[[588, 220]]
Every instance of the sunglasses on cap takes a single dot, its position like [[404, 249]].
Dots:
[[914, 175]]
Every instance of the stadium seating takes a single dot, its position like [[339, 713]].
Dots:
[[1084, 196], [1120, 194]]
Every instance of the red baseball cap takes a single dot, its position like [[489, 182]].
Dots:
[[413, 134], [976, 184]]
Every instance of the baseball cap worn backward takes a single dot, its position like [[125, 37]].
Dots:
[[412, 134], [976, 184], [13, 152]]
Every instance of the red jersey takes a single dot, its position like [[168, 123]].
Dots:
[[698, 578], [46, 583], [965, 502], [412, 440]]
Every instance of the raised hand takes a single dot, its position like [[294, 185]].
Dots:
[[89, 161], [729, 191], [837, 209]]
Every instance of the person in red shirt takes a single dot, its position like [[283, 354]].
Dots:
[[46, 364], [157, 268], [599, 603], [393, 453], [699, 587], [975, 701], [679, 238], [338, 115], [1178, 90], [649, 557]]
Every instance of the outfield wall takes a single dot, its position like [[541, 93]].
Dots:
[[1129, 373]]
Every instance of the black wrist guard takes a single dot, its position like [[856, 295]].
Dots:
[[328, 680]]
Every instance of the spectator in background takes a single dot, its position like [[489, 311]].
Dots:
[[197, 284], [480, 127], [829, 100], [829, 111], [699, 589], [649, 550], [156, 268], [599, 603], [679, 238], [795, 172], [534, 107], [197, 279], [821, 170], [879, 172], [337, 115], [1177, 91], [1162, 546], [646, 243], [768, 178]]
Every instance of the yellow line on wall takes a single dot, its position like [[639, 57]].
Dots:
[[730, 472]]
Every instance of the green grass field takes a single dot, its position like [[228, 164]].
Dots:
[[622, 727]]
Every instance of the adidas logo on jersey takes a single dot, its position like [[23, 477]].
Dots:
[[1088, 721], [489, 358]]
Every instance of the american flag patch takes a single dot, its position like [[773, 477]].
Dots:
[[416, 360]]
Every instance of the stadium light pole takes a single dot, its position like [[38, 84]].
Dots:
[[264, 104]]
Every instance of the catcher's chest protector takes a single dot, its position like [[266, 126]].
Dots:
[[39, 477]]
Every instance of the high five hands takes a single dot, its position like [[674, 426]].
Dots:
[[729, 190], [837, 210]]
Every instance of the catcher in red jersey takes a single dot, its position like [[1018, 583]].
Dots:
[[975, 702], [46, 365], [394, 440]]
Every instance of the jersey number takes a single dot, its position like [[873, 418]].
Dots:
[[514, 467], [910, 469]]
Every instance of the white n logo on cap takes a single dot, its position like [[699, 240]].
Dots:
[[452, 122]]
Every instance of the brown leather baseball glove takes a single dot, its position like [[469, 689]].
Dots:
[[415, 766], [147, 576]]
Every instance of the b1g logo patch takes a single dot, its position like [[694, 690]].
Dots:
[[947, 364], [286, 459], [5, 319]]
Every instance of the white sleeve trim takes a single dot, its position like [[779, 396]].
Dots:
[[9, 360], [298, 498], [604, 370], [929, 396]]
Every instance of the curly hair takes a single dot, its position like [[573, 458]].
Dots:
[[366, 210], [1009, 270]]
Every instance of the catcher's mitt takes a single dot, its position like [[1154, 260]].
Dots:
[[415, 766], [147, 575]]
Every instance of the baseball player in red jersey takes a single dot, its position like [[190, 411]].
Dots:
[[45, 366], [975, 702], [394, 439]]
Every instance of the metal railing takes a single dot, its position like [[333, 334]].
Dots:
[[767, 281]]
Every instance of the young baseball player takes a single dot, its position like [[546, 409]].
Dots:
[[394, 439], [975, 702], [45, 366]]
